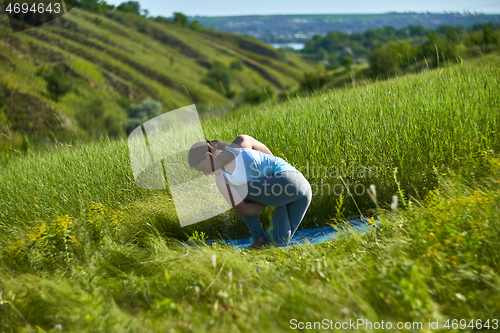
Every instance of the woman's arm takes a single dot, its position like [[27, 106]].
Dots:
[[245, 209], [246, 141]]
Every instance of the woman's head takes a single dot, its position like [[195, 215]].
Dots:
[[201, 155]]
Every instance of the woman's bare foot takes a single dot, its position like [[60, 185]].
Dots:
[[258, 243]]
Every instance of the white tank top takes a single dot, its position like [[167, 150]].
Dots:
[[239, 175]]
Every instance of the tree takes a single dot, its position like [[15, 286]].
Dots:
[[371, 34], [322, 56], [180, 19], [133, 7], [236, 65], [417, 31], [347, 62], [195, 25], [95, 6], [254, 96], [436, 49], [163, 19], [389, 33], [313, 81], [403, 52], [218, 78], [489, 37], [450, 33], [91, 116], [473, 39], [383, 62], [139, 114], [58, 82]]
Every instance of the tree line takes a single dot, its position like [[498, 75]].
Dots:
[[388, 49], [134, 7]]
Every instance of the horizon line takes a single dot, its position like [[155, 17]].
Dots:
[[384, 13]]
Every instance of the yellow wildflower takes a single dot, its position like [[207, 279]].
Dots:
[[63, 223], [38, 232]]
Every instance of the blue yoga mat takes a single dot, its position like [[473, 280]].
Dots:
[[310, 236]]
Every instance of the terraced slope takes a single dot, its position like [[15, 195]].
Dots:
[[120, 59]]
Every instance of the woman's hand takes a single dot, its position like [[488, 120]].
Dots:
[[246, 141]]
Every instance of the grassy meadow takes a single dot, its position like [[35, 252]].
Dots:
[[83, 249]]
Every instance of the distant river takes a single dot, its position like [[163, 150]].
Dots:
[[295, 46]]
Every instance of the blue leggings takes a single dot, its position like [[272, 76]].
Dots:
[[291, 193]]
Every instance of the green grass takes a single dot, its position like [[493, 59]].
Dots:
[[435, 262], [421, 124], [83, 247]]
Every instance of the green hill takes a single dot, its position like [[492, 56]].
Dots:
[[82, 248], [114, 59]]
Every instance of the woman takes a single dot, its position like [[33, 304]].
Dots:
[[251, 178]]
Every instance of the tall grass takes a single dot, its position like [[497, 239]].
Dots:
[[423, 125], [83, 249], [434, 262]]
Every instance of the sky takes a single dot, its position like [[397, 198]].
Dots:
[[262, 7]]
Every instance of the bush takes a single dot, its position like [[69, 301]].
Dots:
[[254, 96], [347, 62], [489, 36], [403, 52], [236, 65], [58, 82], [436, 49], [312, 81], [180, 19], [452, 34], [219, 78], [93, 119], [383, 62], [195, 25], [139, 114], [95, 6], [473, 39], [165, 20], [133, 7]]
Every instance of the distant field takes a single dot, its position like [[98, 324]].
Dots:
[[82, 247], [300, 28], [331, 17]]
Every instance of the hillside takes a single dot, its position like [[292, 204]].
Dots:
[[83, 249], [299, 28], [116, 59]]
